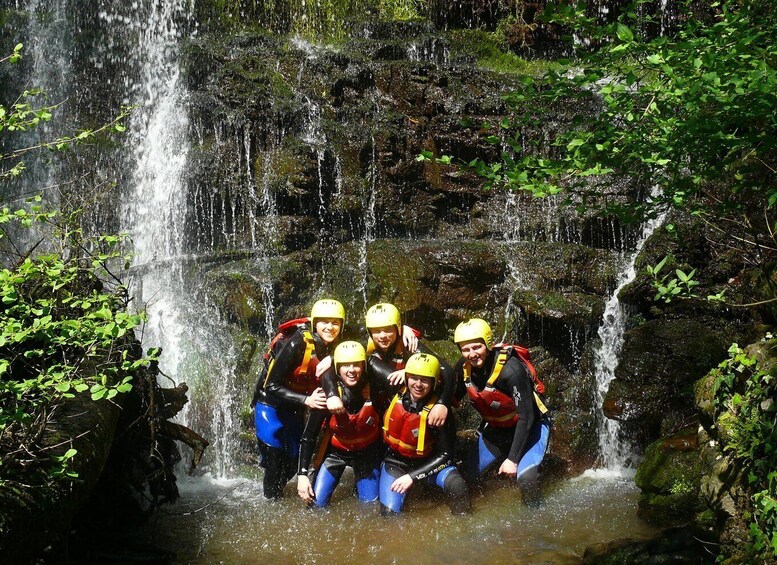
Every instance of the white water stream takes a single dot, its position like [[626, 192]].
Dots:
[[615, 451]]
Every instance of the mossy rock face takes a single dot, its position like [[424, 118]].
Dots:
[[570, 399], [669, 477], [660, 361]]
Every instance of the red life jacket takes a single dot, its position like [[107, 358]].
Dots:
[[285, 332], [354, 432], [497, 408], [303, 379], [405, 432]]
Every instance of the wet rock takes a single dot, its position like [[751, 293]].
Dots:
[[674, 545], [660, 361], [669, 477]]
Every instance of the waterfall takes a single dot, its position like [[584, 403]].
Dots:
[[370, 219], [615, 450], [155, 215]]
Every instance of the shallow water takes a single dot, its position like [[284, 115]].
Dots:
[[230, 522]]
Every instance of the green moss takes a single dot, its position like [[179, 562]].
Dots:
[[489, 50]]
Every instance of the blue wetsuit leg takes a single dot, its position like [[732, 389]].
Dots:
[[278, 428], [538, 445], [368, 486], [366, 470], [452, 483], [479, 459], [327, 479], [392, 501]]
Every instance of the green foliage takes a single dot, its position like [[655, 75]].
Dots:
[[403, 9], [747, 389], [490, 51], [692, 114], [330, 19], [680, 286], [23, 115], [63, 331]]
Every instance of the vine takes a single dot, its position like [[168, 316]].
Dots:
[[745, 387]]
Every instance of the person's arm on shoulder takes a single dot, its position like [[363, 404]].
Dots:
[[287, 360], [410, 337]]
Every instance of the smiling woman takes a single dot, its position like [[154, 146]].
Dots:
[[291, 385]]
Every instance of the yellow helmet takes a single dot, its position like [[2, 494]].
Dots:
[[327, 309], [474, 328], [381, 315], [349, 352], [423, 365]]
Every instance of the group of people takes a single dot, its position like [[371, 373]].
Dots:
[[385, 410]]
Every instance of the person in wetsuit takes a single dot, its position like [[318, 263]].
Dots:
[[416, 450], [385, 349], [351, 437], [513, 434], [291, 386]]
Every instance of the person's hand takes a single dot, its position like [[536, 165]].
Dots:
[[508, 469], [304, 490], [409, 339], [402, 484], [437, 415], [316, 400], [323, 365], [397, 378], [335, 405]]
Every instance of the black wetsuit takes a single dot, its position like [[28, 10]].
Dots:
[[285, 411], [364, 462], [437, 468], [515, 382], [381, 363]]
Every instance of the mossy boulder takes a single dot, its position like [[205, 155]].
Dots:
[[660, 361], [669, 477]]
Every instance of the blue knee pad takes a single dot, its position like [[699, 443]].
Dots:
[[368, 488], [439, 478], [538, 445], [276, 428], [325, 485], [391, 500]]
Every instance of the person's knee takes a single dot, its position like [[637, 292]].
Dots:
[[458, 494]]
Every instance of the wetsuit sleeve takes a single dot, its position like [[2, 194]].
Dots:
[[329, 383], [459, 390], [378, 371], [309, 439], [442, 455], [516, 383], [287, 360]]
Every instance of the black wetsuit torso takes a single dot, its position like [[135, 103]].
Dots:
[[275, 392], [515, 382]]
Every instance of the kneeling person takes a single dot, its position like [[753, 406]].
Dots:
[[351, 432], [515, 430], [417, 451]]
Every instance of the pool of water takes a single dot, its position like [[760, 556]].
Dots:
[[228, 521]]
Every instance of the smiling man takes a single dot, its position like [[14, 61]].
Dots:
[[515, 429]]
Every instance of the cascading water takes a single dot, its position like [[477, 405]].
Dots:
[[370, 220], [615, 451]]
